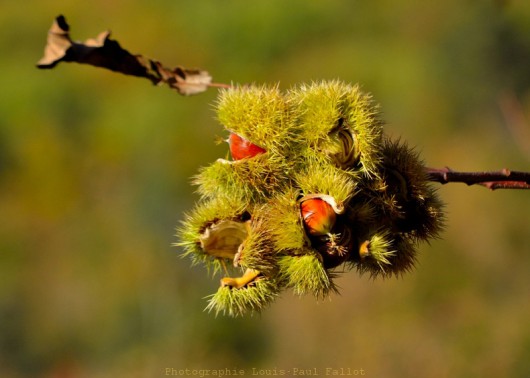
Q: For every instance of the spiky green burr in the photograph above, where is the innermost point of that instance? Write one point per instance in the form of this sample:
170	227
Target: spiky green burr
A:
313	184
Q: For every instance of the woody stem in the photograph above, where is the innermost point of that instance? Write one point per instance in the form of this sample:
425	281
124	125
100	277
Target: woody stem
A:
503	179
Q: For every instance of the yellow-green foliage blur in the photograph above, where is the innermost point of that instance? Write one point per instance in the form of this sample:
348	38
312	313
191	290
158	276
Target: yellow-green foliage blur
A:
95	174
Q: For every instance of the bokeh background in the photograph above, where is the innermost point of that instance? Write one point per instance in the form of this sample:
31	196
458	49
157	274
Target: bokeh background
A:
95	174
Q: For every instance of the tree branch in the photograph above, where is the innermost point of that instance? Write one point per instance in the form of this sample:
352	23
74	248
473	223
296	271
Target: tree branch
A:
106	53
503	179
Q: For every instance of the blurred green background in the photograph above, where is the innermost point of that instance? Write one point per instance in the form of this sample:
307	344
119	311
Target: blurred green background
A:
95	168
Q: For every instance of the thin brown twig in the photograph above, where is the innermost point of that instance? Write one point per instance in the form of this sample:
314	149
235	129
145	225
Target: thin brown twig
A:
503	179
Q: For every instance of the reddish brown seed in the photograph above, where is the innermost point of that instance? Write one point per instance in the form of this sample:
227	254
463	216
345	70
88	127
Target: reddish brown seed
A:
240	148
318	216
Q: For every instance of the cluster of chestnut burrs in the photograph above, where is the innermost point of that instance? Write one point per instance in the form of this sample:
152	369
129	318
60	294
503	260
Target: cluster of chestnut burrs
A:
312	184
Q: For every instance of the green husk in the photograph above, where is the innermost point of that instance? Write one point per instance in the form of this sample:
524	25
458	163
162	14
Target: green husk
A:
193	227
319	177
390	254
305	274
324	108
322	140
248	180
282	218
249	299
257	251
364	120
259	114
379	252
318	108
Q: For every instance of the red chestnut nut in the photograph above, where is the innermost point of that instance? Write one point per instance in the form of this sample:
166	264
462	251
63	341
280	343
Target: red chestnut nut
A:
240	148
318	216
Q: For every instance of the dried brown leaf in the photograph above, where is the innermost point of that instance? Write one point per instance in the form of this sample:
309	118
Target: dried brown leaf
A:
107	53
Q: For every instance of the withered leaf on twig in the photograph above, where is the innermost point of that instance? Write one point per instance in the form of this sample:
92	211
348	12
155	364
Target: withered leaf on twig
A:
107	53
